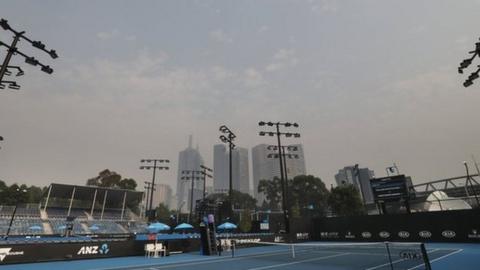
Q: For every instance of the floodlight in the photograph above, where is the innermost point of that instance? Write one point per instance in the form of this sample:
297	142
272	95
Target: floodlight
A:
270	124
32	61
465	63
271	134
38	44
53	54
460	70
261	123
295	125
261	133
288	135
296	135
467	83
473	76
287	124
4	24
142	167
47	69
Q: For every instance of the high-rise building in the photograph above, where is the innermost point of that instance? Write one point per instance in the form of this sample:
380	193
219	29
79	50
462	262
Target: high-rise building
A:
266	168
361	180
162	194
240	169
188	159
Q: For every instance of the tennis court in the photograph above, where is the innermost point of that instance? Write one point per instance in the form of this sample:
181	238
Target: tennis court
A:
442	256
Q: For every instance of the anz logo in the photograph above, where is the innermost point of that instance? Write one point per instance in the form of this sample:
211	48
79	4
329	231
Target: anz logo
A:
93	250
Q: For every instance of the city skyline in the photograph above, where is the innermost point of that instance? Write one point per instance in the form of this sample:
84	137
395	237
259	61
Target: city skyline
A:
132	79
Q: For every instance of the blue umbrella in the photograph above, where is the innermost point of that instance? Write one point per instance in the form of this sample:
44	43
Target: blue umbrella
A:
94	227
184	226
227	226
35	228
155	227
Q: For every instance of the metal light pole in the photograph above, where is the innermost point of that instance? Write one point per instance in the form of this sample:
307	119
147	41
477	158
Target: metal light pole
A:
12	50
14	211
469	180
192	178
277	133
229	139
205	169
154	167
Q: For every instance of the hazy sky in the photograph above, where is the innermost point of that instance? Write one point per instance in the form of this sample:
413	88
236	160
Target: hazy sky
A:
369	82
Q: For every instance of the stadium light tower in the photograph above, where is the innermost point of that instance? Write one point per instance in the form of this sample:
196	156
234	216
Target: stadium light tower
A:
153	167
5	69
466	62
284	185
205	171
229	138
193	176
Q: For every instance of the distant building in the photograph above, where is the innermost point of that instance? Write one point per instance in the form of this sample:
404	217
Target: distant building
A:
188	159
240	169
162	194
265	168
361	180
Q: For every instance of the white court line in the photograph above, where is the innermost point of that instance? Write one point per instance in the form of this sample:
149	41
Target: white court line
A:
196	262
298	262
437	259
393	262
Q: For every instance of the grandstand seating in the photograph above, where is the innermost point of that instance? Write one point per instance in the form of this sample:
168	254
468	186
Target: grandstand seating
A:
21	226
105	226
61	213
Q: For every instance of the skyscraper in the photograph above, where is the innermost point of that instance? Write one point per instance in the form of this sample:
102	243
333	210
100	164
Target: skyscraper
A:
348	175
265	168
240	169
188	159
163	194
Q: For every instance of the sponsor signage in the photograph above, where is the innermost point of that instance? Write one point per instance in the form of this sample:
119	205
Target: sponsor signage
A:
474	234
303	236
384	234
366	235
410	254
349	235
448	234
425	234
403	234
4	252
329	234
94	250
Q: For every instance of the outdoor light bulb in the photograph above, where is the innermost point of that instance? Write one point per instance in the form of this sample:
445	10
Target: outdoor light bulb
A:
53	54
4	24
38	44
32	61
47	69
473	76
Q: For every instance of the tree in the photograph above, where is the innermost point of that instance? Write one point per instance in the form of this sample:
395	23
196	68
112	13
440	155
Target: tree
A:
240	200
246	221
111	179
309	195
273	192
345	200
163	213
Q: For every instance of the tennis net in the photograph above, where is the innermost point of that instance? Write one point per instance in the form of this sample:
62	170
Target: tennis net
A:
367	256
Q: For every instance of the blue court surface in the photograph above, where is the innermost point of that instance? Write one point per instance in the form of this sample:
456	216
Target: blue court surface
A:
442	256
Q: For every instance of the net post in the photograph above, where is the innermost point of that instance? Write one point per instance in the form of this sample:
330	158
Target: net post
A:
389	255
425	257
